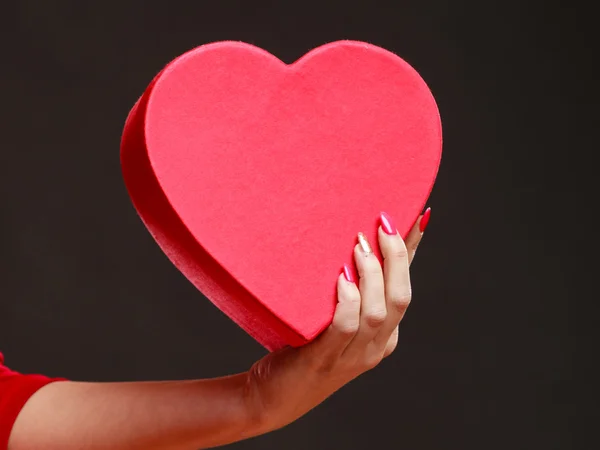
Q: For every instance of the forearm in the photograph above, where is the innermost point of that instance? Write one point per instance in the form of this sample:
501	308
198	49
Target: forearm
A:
183	415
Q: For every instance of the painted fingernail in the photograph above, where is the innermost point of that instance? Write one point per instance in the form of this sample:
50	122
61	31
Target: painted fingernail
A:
364	244
425	220
348	273
387	224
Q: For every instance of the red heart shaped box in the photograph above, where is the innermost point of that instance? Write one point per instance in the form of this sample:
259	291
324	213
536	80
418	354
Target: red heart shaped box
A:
255	176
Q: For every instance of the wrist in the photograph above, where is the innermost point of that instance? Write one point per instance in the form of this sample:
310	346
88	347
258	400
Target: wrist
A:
247	415
280	388
225	414
257	417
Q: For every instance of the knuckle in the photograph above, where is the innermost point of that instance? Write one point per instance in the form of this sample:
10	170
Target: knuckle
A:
353	298
400	302
371	361
391	346
375	318
389	349
370	269
349	297
395	249
347	327
399	251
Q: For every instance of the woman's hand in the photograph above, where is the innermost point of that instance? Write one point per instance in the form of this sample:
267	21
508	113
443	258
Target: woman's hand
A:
287	384
179	415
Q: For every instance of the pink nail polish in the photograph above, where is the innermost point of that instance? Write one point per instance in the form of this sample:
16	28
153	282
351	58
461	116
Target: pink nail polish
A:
348	273
387	224
424	220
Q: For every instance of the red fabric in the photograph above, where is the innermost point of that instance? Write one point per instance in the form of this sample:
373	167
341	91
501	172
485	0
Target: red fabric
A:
15	390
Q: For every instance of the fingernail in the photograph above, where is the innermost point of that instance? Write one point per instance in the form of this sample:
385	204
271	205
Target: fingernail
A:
348	273
387	224
425	220
364	244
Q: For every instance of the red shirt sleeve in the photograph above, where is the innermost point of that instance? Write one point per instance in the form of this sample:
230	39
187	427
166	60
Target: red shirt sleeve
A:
15	390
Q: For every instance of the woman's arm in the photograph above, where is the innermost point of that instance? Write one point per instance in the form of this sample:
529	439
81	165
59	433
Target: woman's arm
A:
148	415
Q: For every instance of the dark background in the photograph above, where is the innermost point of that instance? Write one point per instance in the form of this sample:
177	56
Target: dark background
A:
486	359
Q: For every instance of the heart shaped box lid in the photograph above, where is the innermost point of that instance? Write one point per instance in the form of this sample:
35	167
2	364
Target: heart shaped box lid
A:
254	176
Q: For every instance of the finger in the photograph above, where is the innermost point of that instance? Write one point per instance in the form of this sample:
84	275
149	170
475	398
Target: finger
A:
413	239
372	292
396	278
392	343
346	318
416	233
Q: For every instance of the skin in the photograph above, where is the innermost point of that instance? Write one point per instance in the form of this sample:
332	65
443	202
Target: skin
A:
277	390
